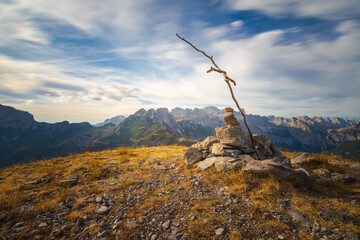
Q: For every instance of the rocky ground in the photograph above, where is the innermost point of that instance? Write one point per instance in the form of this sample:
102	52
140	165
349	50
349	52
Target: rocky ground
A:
149	193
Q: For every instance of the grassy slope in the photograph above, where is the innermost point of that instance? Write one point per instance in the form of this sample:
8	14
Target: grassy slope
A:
349	150
137	164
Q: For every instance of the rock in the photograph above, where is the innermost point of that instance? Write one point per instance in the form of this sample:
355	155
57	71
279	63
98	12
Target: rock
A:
296	216
192	155
219	231
233	136
166	224
68	182
42	225
226	163
300	158
18	225
208	162
343	178
102	210
278	167
131	224
336	216
263	143
323	172
172	237
33	182
355	166
219	150
284	203
75	176
24	209
351	236
206	144
229	118
161	167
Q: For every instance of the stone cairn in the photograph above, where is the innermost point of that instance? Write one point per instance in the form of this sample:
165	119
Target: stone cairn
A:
232	148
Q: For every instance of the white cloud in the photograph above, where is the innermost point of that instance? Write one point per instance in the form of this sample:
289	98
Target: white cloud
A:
301	77
237	24
15	24
49	83
327	9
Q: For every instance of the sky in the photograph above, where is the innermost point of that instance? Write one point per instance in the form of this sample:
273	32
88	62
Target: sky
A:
87	60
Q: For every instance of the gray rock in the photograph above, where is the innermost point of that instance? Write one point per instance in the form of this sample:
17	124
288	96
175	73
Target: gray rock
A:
32	182
226	163
278	167
343	178
18	225
300	158
192	155
131	224
68	182
166	224
351	236
219	150
230	119
219	231
336	216
234	136
355	166
208	162
161	167
75	176
263	143
43	224
102	210
206	144
23	209
296	216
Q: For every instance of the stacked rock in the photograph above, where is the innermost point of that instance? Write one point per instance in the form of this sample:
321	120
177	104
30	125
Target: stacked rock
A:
230	147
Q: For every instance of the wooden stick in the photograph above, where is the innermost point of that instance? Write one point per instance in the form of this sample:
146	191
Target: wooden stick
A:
227	80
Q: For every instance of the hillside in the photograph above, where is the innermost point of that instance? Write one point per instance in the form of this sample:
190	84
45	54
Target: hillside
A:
149	193
23	139
348	150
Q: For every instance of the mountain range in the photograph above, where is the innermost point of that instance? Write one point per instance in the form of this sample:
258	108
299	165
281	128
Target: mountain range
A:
23	139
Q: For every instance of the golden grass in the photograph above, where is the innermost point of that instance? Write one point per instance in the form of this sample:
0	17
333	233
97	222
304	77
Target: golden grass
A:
73	215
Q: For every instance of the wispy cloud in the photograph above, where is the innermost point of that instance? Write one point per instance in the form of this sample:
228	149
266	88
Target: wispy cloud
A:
116	55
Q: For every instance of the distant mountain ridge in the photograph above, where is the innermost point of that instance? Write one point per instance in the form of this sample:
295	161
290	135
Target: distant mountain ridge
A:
24	139
114	120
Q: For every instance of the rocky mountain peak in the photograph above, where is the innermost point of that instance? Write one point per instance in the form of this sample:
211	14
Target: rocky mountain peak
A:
11	117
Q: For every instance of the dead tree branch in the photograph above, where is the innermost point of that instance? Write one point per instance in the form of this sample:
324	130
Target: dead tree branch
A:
227	80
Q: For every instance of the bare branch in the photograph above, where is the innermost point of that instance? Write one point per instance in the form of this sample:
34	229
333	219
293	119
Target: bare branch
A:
227	80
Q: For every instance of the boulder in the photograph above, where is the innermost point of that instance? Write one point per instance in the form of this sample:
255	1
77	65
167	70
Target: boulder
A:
206	144
226	163
344	179
208	162
300	158
219	150
192	155
233	136
278	167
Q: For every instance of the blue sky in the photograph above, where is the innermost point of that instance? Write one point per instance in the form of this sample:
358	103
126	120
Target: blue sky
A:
89	60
